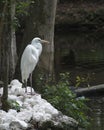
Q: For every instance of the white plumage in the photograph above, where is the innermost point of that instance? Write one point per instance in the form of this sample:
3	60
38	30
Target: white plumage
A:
30	58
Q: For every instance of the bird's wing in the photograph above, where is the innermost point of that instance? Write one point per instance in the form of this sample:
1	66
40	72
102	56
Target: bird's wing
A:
29	60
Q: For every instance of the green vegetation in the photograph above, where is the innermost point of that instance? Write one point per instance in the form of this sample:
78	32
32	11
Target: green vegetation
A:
14	105
61	97
22	7
83	80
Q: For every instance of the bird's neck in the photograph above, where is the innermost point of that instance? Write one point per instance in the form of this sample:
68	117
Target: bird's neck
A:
37	46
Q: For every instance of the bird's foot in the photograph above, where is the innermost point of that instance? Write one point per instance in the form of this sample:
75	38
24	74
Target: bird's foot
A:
29	93
32	93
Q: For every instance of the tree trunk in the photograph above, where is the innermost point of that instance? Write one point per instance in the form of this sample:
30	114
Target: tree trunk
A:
13	56
40	23
5	51
3	11
7	38
8	49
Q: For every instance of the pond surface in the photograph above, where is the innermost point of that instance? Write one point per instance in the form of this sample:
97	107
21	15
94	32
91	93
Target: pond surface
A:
97	113
82	54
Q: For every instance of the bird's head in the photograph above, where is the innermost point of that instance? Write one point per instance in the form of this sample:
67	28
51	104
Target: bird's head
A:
39	40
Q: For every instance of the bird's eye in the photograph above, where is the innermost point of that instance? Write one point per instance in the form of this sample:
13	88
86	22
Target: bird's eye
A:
39	40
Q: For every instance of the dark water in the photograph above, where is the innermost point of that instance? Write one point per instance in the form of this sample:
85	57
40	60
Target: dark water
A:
82	54
97	113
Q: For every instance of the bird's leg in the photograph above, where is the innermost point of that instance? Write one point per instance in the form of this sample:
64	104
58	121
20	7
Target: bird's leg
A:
25	85
31	82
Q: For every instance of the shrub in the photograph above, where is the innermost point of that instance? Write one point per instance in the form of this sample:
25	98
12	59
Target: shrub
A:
62	98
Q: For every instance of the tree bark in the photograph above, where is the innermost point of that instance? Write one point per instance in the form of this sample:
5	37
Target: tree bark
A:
13	59
2	21
7	38
8	48
40	23
5	51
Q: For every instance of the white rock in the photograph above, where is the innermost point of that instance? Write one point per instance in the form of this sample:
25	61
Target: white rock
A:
8	118
38	108
38	117
12	97
24	115
16	99
2	115
47	117
50	109
18	125
37	97
12	112
4	126
27	106
31	107
16	90
21	98
15	82
30	101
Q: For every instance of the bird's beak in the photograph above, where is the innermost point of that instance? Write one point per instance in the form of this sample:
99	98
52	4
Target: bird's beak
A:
44	41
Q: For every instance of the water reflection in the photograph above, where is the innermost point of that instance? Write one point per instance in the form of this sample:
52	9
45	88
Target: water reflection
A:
82	54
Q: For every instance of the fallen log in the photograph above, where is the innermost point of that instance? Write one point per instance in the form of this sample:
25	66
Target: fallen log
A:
90	91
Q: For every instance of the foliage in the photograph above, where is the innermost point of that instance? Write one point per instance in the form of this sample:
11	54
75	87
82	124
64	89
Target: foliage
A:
83	80
61	97
22	7
14	105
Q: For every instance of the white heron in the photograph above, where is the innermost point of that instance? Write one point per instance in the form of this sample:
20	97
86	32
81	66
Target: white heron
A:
29	60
